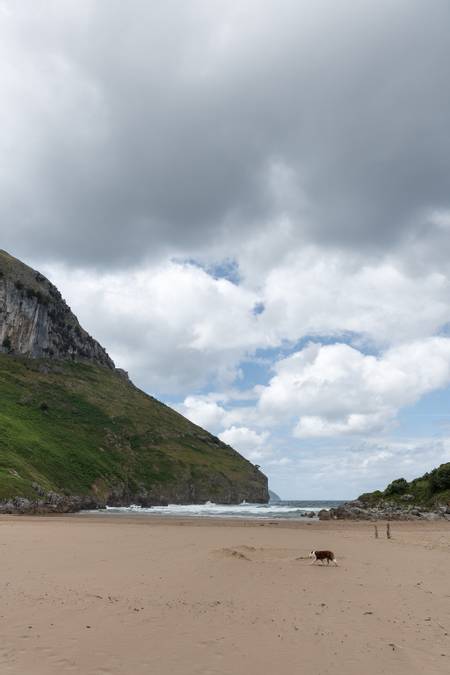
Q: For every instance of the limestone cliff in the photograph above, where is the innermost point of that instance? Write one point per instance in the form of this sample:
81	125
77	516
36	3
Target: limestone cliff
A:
35	321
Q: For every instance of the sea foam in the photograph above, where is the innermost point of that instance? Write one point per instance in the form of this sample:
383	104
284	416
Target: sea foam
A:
274	510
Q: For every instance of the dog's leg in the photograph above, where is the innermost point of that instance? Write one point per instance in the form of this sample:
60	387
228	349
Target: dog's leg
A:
335	562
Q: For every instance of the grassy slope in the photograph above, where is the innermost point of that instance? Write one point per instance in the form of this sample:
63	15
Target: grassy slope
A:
81	428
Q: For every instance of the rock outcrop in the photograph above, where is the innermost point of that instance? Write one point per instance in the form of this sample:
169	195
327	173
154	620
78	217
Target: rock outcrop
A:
386	510
35	321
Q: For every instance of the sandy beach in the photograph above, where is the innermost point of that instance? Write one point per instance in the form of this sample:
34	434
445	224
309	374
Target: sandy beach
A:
109	595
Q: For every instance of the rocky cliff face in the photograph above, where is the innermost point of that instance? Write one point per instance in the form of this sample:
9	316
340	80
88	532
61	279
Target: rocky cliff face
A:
35	321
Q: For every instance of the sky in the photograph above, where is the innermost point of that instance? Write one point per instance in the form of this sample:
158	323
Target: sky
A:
248	204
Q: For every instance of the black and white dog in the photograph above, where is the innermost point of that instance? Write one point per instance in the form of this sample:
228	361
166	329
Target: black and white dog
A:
322	556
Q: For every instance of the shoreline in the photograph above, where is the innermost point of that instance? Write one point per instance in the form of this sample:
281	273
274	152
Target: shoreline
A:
147	519
328	510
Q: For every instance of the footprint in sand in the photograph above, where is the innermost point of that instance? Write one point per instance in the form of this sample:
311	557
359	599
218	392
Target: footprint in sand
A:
253	554
230	553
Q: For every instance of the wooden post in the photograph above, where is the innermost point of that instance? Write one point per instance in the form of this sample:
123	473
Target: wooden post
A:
376	532
388	530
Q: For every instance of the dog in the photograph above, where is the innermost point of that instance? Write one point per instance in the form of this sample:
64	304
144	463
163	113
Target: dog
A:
322	556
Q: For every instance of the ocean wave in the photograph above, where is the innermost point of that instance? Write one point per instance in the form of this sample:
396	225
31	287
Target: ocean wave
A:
277	510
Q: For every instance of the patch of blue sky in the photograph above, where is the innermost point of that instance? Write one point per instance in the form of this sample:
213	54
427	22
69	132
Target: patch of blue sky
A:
444	330
225	269
258	308
169	399
428	417
347	338
269	355
253	371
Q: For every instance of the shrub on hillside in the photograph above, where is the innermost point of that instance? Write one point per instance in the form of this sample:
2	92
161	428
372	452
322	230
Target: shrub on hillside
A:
440	478
397	487
371	498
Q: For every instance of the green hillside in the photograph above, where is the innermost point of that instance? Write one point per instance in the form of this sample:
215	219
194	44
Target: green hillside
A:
431	489
83	429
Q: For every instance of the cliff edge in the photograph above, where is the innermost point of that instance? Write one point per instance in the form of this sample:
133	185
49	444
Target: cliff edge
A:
35	320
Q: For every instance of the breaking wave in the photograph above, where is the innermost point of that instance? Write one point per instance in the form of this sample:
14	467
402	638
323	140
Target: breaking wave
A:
273	510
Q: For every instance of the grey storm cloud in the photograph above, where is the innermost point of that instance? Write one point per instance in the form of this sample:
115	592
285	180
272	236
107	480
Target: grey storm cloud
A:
130	130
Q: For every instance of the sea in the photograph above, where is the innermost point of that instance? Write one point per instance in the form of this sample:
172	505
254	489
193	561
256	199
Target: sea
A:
275	510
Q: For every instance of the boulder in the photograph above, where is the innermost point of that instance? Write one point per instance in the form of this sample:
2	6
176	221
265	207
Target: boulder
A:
357	503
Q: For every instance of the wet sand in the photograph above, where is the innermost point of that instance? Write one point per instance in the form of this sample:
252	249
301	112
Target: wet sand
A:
109	595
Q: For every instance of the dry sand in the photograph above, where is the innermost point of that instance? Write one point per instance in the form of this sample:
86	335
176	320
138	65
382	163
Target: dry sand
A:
99	595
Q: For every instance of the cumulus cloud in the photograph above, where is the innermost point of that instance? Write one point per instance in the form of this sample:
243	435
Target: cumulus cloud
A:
317	292
205	411
174	326
250	443
310	426
336	389
218	412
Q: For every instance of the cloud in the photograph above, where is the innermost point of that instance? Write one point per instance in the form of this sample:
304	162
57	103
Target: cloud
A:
173	326
310	426
319	292
153	147
251	444
220	411
204	411
336	389
347	470
176	327
141	130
